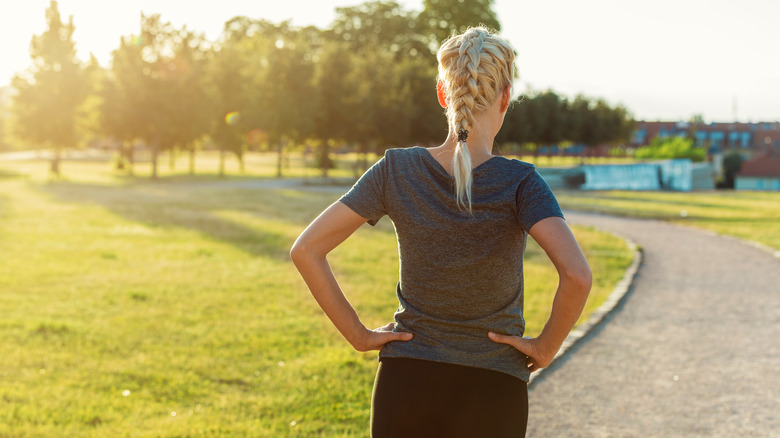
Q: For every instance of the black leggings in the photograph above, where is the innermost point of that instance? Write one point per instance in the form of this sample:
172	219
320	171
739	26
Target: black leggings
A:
420	398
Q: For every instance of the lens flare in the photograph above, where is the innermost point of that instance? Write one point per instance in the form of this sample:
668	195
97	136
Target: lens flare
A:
232	118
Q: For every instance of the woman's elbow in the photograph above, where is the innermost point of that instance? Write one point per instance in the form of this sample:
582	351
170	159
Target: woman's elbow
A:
581	278
298	251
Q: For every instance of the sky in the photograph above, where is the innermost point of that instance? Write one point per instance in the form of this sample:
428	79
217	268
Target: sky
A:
662	59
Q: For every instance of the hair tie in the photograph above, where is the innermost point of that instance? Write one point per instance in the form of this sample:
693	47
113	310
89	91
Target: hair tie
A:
462	135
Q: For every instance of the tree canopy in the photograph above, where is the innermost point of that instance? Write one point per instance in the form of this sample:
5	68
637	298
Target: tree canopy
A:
366	82
49	92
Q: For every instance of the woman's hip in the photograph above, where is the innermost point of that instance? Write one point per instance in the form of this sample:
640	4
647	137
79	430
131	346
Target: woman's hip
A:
416	397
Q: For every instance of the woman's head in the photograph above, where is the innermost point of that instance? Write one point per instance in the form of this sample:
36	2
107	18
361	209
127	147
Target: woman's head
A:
474	69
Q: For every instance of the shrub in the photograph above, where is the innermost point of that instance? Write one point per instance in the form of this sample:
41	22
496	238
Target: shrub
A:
676	147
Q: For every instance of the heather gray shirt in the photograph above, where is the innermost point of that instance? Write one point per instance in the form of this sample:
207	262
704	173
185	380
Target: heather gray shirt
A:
461	275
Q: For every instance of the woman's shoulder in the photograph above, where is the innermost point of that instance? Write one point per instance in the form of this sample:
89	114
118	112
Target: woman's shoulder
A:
514	162
401	153
404	157
512	167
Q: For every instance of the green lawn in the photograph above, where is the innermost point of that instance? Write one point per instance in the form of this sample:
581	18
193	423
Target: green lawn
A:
747	215
137	309
570	161
256	165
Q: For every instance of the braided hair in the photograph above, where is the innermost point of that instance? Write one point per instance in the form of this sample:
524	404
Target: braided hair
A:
474	67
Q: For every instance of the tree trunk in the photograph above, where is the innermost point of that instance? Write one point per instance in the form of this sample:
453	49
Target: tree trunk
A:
279	156
130	159
222	162
155	154
324	161
120	162
222	146
172	158
55	162
241	167
192	160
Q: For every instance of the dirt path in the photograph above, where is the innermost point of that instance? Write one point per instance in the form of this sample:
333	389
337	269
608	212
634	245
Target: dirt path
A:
693	351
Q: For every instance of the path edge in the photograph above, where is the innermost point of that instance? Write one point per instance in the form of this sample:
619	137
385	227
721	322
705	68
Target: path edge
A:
755	244
613	300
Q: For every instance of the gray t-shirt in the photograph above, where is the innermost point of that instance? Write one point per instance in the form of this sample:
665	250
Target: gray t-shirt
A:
461	275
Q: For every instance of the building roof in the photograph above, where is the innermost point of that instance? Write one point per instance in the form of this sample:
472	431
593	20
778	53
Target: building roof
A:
765	164
764	138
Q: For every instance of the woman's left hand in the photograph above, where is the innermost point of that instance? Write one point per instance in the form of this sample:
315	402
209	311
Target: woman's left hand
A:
537	355
377	338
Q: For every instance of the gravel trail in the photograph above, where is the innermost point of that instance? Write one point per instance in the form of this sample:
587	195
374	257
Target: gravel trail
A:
692	351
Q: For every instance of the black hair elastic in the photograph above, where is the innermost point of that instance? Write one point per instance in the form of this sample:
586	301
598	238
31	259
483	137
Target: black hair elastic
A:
462	135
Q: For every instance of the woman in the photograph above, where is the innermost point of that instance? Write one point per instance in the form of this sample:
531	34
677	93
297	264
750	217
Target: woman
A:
454	362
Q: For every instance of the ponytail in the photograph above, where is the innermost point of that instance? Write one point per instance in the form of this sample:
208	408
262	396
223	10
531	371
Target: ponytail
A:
461	168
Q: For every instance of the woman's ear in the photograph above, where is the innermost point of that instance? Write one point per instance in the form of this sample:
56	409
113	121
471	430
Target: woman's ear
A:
441	95
506	97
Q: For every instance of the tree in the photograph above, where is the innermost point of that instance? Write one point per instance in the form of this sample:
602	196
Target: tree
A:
518	127
732	164
378	25
550	117
165	74
88	112
5	125
584	125
381	103
441	18
154	91
229	79
426	120
265	72
333	117
123	91
48	94
287	88
388	91
190	115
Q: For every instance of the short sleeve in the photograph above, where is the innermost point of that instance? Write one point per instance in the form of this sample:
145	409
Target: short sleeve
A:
367	196
535	201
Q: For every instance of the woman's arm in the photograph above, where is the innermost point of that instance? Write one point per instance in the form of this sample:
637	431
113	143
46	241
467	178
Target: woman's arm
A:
557	240
309	253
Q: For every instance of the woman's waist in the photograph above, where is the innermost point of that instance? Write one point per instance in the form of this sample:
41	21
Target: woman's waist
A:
470	335
464	306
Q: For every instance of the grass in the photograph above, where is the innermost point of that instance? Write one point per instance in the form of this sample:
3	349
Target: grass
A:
571	161
142	309
742	214
256	165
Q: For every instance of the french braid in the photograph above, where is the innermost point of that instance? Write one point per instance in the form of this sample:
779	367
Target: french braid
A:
474	67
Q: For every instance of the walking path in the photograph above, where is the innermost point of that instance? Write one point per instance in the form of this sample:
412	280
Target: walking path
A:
692	351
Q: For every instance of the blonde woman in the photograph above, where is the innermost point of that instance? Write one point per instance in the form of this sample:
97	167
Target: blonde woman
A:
454	362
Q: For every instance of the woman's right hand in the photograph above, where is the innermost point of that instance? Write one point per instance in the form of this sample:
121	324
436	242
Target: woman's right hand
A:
377	338
538	356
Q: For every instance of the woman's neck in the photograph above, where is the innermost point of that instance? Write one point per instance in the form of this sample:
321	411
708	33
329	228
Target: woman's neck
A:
479	151
479	144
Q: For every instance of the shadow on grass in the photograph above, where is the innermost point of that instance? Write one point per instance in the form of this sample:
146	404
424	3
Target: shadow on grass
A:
180	206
